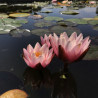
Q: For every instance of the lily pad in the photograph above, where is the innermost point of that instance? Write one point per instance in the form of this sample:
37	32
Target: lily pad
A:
96	17
51	18
92	54
48	11
3	16
66	23
40	32
95	28
44	24
68	30
69	12
78	21
20	32
93	22
36	16
19	15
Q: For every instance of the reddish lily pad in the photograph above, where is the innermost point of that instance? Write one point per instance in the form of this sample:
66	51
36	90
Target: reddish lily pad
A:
19	15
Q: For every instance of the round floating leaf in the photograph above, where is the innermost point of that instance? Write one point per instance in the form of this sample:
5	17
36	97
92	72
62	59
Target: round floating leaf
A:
87	19
92	54
40	32
69	12
96	17
75	8
44	24
93	22
3	32
68	30
95	28
36	16
48	11
19	21
77	21
66	23
50	18
14	93
3	16
20	32
19	15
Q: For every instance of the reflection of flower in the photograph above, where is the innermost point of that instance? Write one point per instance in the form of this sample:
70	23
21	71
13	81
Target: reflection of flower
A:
69	49
61	83
38	55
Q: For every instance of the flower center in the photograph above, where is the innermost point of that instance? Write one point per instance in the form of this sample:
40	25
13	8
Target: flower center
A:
38	54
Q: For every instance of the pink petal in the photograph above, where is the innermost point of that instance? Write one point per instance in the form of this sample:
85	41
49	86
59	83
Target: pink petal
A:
79	38
42	40
37	47
30	48
25	54
73	36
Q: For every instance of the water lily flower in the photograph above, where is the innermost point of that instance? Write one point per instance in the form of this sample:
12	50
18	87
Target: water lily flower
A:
46	40
37	55
71	48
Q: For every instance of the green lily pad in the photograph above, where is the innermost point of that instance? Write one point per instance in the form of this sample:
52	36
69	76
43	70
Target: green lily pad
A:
3	16
69	12
20	32
95	28
51	18
66	23
61	29
92	54
96	17
75	8
77	21
3	32
87	19
40	32
48	11
19	15
93	22
44	24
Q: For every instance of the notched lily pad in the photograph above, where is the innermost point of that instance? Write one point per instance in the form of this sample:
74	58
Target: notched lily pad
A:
92	54
69	12
51	18
19	15
77	21
40	32
20	32
61	29
43	24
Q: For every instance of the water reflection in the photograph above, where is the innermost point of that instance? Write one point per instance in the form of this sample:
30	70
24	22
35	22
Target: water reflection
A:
62	83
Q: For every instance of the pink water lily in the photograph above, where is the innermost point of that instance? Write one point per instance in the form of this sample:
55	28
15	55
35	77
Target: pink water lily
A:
37	55
45	39
69	48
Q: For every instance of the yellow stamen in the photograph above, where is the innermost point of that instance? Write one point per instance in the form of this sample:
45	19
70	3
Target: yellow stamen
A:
38	53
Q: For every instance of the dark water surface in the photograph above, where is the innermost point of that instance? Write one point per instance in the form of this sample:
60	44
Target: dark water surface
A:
80	80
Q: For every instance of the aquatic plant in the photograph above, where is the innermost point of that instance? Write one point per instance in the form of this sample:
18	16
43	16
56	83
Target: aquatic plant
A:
37	55
69	49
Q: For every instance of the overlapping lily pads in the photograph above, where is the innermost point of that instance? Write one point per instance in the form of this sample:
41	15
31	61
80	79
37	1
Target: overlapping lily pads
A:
40	32
92	54
51	18
19	15
20	32
69	12
44	24
8	24
61	29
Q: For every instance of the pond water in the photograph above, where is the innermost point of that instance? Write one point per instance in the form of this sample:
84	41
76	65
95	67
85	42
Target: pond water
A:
82	76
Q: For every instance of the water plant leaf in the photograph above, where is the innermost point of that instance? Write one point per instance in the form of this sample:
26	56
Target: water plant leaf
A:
40	32
19	15
77	21
19	32
69	12
93	22
92	54
95	28
14	93
51	18
44	24
48	11
61	29
36	16
66	23
3	16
